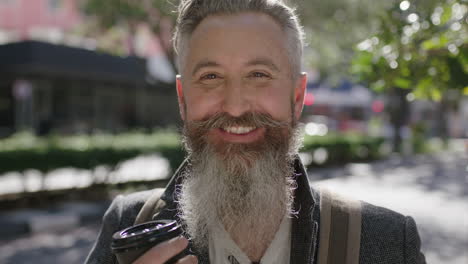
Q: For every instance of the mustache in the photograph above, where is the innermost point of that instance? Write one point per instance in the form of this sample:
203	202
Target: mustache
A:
250	119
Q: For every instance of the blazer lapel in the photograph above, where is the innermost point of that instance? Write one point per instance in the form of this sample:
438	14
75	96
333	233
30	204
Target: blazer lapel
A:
304	224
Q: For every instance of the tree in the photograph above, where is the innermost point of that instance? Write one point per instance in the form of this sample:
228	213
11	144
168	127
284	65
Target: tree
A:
157	14
333	28
420	47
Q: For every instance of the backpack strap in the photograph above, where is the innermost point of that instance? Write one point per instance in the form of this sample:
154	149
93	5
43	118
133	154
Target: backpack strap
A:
152	206
340	229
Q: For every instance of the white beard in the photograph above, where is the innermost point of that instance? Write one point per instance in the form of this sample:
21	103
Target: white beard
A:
249	201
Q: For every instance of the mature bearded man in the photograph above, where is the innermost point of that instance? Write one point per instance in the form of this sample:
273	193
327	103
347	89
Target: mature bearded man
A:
243	195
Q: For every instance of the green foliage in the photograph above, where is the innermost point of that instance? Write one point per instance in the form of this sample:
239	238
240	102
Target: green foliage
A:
24	151
346	148
114	22
111	12
423	48
333	27
418	138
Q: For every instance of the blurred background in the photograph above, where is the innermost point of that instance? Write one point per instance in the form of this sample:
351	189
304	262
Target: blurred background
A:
88	110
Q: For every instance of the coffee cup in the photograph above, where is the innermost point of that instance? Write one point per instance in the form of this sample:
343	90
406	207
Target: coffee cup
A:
132	242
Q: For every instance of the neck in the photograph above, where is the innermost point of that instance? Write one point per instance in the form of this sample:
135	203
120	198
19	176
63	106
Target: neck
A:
254	237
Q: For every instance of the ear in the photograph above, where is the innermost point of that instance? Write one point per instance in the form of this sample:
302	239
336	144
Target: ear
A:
180	96
299	94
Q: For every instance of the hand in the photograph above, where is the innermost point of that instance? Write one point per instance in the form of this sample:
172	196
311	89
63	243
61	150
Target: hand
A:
162	252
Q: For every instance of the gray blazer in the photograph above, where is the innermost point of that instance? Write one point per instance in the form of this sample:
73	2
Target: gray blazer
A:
387	237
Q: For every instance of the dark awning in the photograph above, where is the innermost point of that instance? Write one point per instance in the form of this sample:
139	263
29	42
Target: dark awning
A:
58	61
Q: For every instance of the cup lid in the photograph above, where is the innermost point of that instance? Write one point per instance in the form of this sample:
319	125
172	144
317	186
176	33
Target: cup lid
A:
146	232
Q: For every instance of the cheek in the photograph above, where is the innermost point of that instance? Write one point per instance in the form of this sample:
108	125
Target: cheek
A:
200	106
276	102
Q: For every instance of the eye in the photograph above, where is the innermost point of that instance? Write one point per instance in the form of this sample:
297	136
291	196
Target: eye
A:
209	76
259	75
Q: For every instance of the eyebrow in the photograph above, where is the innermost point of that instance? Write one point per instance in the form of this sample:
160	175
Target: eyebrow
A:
265	62
203	64
254	62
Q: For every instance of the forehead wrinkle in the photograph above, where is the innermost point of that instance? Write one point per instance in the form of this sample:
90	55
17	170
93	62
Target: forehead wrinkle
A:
264	61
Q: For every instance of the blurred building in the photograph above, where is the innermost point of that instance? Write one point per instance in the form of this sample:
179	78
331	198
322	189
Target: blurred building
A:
349	107
53	79
344	108
45	20
64	22
46	87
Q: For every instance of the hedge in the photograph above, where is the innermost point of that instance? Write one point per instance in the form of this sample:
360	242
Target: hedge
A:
346	148
25	151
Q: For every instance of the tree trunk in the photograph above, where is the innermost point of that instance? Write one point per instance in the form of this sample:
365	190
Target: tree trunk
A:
132	27
442	126
399	111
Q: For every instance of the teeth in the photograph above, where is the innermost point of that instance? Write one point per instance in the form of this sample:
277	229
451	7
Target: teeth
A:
239	129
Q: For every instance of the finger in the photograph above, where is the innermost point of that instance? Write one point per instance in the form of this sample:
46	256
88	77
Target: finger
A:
190	259
163	251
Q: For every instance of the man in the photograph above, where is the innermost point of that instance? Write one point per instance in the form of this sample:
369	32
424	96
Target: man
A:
243	195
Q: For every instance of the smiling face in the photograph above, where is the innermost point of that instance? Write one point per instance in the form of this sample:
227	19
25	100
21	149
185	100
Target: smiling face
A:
239	100
235	65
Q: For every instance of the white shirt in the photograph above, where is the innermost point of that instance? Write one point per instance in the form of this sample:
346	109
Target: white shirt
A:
223	250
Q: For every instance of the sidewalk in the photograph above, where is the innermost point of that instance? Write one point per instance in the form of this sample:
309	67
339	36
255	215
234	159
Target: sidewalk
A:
142	168
63	217
431	189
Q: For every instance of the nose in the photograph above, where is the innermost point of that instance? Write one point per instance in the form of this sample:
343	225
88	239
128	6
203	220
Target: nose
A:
236	100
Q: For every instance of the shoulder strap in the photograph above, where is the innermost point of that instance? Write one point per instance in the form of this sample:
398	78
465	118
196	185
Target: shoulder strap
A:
340	229
152	205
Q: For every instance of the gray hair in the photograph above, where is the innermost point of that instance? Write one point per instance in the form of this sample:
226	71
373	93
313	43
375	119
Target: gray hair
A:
192	12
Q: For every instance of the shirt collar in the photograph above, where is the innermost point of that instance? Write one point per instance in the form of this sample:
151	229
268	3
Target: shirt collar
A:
222	249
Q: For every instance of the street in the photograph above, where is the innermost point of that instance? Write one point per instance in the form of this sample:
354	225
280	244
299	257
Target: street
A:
432	189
